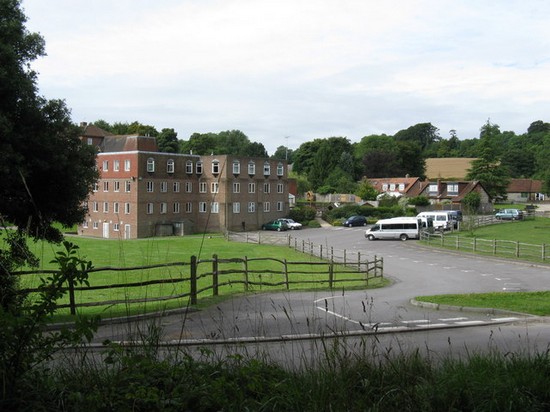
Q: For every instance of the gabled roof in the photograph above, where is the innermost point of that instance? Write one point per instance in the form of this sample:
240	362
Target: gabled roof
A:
408	182
91	130
525	186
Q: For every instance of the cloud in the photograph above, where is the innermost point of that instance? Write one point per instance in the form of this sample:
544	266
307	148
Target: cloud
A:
304	69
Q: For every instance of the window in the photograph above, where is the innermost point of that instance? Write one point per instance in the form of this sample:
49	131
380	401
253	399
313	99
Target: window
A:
115	208
188	207
127	165
385	187
90	142
117	186
214	187
188	187
280	188
176	208
252	188
176	187
150	186
150	165
452	189
105	186
280	169
126	208
392	187
267	188
164	187
95	207
202	207
189	167
401	187
215	167
163	208
116	227
236	167
96	187
198	168
95	225
236	187
128	186
267	206
251	168
214	207
116	165
170	166
251	207
150	208
105	207
85	224
202	187
105	165
267	169
236	207
280	206
432	188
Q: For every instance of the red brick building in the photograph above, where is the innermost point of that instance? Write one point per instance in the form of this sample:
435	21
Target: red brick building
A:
143	193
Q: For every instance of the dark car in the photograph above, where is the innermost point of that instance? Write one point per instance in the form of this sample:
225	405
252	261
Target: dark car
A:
356	221
277	225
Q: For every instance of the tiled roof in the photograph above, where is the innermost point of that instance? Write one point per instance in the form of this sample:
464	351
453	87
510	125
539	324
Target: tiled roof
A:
525	186
93	131
408	182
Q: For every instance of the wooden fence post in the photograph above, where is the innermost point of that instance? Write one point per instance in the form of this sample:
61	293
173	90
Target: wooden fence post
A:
245	264
543	252
215	275
517	249
193	286
359	261
330	275
494	246
321	251
286	275
344	257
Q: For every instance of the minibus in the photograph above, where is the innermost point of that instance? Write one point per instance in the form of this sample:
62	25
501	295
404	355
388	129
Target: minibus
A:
403	228
441	219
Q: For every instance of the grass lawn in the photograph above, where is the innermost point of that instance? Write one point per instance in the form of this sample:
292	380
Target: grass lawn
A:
534	303
534	231
132	253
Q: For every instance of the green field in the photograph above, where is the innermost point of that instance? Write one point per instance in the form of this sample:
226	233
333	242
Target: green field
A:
145	252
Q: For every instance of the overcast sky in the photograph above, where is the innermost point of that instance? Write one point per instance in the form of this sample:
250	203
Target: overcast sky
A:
289	71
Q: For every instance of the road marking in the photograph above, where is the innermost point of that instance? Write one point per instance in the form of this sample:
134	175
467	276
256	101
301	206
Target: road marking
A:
510	319
452	319
449	267
466	270
471	322
415	321
433	325
499	279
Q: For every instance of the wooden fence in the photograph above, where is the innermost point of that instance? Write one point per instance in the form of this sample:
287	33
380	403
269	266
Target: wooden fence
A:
495	247
199	276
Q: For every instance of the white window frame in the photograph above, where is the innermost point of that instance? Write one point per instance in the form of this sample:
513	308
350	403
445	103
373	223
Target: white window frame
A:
251	207
150	165
150	186
236	207
127	165
251	168
267	188
214	207
116	165
280	188
188	207
170	166
188	187
267	207
236	167
116	208
202	207
203	187
267	169
105	166
126	208
150	208
280	169
116	186
105	186
199	167
236	187
128	186
176	187
105	207
189	167
163	187
252	187
176	208
163	208
215	167
280	206
214	187
95	206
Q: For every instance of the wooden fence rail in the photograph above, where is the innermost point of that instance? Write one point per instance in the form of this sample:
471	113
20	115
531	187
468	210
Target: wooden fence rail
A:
199	276
495	247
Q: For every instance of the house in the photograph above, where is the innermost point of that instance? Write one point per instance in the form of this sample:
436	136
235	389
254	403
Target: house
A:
449	194
397	186
525	190
142	192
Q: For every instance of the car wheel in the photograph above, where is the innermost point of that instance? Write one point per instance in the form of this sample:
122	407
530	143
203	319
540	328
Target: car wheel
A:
278	229
403	237
370	237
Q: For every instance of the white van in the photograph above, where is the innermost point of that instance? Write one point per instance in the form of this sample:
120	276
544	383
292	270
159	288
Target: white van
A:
441	219
403	228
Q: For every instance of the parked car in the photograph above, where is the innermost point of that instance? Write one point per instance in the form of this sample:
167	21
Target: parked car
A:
509	214
292	224
277	224
356	220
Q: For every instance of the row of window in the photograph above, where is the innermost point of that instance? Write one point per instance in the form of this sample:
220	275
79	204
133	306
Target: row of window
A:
216	167
176	186
176	207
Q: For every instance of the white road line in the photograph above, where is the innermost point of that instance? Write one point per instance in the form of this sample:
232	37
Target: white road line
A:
416	321
452	319
502	278
471	322
466	270
432	325
338	315
510	319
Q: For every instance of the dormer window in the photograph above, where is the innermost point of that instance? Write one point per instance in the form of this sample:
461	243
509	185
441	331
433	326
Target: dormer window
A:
236	167
215	167
280	169
198	167
267	169
401	187
150	165
189	167
251	168
432	188
170	166
452	189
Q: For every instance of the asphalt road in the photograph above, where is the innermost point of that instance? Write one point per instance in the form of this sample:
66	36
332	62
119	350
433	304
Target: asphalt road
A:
286	325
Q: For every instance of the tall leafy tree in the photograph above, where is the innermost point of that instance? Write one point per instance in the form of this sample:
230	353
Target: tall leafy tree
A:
167	141
423	133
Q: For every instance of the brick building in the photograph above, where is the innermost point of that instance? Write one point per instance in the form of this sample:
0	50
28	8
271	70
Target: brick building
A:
143	193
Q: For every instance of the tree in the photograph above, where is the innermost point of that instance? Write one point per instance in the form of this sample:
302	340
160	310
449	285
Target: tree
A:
493	176
167	141
366	190
45	170
423	133
283	153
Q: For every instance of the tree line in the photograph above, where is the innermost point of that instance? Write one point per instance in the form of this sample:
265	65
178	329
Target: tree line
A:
336	165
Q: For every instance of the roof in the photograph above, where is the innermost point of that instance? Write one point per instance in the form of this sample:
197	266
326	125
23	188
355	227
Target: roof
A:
448	167
91	130
408	182
525	186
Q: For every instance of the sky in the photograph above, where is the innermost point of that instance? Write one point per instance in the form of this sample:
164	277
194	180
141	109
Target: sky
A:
290	71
